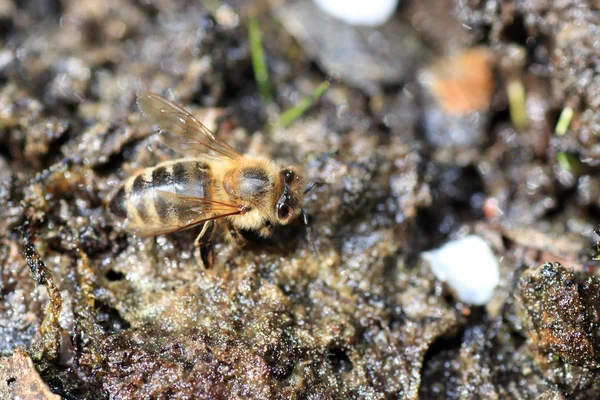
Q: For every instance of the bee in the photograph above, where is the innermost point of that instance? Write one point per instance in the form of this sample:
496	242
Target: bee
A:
217	185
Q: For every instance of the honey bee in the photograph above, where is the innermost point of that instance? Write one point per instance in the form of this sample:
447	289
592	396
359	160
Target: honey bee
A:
217	185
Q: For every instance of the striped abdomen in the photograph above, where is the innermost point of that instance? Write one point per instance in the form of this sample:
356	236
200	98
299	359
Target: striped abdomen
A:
142	201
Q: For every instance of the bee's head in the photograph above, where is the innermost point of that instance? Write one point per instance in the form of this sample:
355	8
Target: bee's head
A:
288	206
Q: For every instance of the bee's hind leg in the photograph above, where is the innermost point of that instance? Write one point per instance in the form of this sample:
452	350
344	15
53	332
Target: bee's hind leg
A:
204	249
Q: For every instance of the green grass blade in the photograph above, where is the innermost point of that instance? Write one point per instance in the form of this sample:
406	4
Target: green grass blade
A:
261	74
564	121
296	112
516	104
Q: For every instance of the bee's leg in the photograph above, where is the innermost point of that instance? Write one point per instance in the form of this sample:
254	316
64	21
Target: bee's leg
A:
267	230
236	236
205	251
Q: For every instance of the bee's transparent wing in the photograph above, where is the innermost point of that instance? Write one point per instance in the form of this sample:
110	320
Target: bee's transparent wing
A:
183	133
187	211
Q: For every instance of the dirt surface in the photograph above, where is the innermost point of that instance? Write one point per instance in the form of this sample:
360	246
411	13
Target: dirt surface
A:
20	379
460	130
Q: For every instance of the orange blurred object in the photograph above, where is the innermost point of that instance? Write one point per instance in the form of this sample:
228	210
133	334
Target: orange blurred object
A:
464	82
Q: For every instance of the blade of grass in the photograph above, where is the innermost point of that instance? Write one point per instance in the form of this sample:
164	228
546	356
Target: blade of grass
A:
569	162
516	103
261	74
296	112
563	161
564	121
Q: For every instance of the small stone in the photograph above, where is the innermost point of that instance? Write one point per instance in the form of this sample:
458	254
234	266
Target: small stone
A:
468	266
359	12
366	57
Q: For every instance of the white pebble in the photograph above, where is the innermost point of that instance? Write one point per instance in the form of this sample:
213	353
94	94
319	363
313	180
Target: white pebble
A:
359	12
468	266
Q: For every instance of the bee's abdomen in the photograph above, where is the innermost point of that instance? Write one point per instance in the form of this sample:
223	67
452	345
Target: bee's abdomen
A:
142	200
118	205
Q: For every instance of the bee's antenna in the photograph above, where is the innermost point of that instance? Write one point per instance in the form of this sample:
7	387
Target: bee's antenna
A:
311	240
313	184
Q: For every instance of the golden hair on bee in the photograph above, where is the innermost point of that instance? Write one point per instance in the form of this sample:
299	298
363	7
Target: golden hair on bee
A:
215	186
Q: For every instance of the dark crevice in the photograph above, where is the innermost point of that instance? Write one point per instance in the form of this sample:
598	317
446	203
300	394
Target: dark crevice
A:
339	360
110	319
115	160
114	276
515	32
54	154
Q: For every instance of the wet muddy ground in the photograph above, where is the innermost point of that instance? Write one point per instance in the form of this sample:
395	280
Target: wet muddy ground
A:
452	119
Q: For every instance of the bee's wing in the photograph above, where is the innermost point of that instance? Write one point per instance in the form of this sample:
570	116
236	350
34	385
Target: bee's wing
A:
197	210
183	133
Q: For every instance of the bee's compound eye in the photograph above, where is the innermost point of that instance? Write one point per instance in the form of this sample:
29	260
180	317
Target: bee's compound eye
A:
288	176
283	211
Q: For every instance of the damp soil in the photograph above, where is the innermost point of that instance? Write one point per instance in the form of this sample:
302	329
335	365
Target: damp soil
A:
446	121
